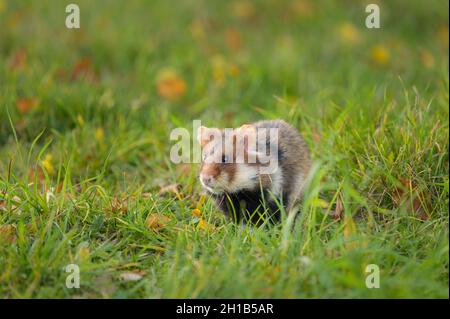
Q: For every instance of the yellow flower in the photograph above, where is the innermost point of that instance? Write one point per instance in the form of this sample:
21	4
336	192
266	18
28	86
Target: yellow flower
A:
379	55
348	33
47	164
170	85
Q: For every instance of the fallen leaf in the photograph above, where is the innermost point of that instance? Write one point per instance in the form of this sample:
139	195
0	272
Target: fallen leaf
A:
8	233
233	39
83	253
338	210
349	232
204	225
172	188
414	200
24	105
83	69
119	204
170	85
36	174
196	212
156	221
131	276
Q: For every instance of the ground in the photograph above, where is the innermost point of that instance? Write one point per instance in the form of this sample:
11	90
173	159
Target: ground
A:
86	176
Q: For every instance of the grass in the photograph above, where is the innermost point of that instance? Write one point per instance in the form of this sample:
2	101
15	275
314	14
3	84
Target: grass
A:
85	118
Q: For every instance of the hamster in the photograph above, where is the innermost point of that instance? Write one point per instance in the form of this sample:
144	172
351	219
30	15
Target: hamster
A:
253	170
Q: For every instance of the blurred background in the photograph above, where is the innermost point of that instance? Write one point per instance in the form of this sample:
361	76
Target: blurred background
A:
140	66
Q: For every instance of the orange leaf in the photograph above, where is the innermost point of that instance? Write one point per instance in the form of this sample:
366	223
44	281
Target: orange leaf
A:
170	85
25	105
83	69
233	39
413	199
196	212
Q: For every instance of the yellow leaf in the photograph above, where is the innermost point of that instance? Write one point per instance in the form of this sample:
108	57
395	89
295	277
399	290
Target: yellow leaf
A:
156	221
204	225
83	253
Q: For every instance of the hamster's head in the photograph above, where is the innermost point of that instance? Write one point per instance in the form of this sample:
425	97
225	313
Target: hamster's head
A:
227	165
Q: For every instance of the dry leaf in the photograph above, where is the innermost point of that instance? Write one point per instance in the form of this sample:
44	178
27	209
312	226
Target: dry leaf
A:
349	232
233	39
83	253
37	174
131	276
339	210
83	69
170	85
8	233
172	188
119	204
24	105
196	212
415	201
204	225
156	221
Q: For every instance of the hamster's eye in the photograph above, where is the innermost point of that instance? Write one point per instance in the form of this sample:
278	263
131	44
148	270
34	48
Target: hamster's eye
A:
224	159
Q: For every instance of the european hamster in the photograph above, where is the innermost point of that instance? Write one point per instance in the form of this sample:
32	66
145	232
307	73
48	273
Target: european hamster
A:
248	170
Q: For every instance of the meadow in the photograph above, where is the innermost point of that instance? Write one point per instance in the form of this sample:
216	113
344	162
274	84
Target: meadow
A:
86	176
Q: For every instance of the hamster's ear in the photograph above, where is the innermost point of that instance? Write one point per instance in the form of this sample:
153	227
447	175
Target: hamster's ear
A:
247	135
205	134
